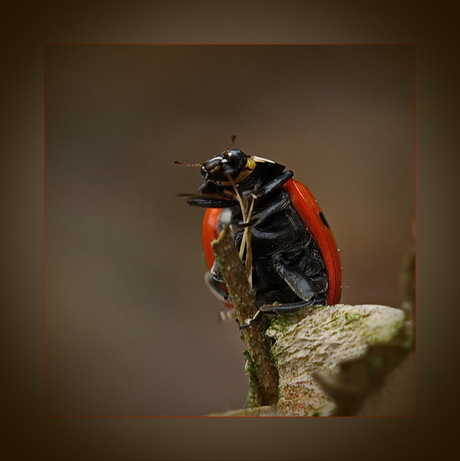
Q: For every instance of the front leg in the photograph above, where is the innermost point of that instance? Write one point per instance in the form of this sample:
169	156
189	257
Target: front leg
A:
211	202
275	206
272	186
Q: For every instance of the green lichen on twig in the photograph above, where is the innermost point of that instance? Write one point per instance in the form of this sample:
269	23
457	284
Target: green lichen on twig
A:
314	355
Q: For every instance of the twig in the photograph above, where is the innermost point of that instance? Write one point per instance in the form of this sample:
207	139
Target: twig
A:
263	376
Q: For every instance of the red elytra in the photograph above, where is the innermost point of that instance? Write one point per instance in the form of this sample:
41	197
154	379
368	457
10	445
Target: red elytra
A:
309	212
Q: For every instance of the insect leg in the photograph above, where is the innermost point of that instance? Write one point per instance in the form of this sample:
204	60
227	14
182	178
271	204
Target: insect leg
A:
274	207
273	185
216	287
298	282
210	202
287	308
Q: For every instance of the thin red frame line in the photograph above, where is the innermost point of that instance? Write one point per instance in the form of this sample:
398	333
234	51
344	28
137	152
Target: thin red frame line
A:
227	44
44	217
43	382
415	236
223	416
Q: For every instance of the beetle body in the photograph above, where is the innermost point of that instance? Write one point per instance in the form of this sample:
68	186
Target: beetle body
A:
294	257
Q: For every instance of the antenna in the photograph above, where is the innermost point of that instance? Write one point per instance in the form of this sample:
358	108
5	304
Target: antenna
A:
177	162
233	142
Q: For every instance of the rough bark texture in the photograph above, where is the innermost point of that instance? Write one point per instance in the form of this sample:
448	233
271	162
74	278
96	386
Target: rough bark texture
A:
326	362
263	376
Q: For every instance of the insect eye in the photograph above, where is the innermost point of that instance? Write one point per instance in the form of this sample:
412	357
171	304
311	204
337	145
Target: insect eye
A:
235	157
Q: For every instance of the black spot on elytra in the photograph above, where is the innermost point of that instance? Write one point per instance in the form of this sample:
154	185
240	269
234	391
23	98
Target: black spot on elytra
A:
323	219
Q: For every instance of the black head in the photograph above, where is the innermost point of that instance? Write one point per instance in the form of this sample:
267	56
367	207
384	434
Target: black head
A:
232	165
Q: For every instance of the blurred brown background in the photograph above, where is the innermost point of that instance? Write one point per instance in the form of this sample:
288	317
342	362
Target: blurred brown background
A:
119	299
130	326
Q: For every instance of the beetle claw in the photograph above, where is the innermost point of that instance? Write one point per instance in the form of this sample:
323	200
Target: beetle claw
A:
249	322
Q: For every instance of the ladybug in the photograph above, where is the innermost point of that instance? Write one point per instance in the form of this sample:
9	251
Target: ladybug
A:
279	228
